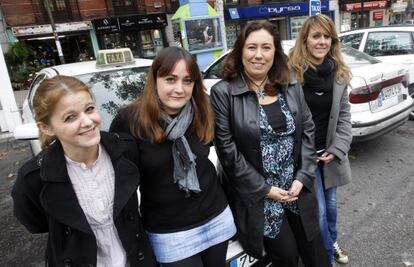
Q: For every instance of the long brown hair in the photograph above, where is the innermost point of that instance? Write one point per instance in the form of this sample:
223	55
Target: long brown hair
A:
300	58
146	121
48	94
278	73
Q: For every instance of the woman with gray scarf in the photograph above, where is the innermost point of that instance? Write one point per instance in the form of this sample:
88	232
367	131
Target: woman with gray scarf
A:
184	209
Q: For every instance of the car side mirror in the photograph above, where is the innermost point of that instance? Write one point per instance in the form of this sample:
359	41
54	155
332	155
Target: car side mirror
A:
28	131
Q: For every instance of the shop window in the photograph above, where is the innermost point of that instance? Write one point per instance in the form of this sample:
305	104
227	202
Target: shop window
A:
151	43
232	2
124	7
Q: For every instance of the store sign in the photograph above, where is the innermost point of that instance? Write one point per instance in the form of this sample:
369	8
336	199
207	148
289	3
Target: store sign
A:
399	7
47	28
286	9
352	7
378	15
106	25
130	23
74	26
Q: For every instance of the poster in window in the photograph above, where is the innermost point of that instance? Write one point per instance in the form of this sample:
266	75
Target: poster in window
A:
203	34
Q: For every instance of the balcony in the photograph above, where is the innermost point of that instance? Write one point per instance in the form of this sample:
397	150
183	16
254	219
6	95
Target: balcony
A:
62	10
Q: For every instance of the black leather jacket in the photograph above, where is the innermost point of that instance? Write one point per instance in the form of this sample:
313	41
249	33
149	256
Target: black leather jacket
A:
237	141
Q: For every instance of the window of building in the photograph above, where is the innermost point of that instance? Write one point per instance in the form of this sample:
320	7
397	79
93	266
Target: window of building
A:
124	7
61	10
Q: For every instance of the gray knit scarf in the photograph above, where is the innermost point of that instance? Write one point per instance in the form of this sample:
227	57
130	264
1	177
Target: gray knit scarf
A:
185	173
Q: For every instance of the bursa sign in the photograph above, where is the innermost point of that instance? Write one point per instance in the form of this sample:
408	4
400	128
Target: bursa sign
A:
287	9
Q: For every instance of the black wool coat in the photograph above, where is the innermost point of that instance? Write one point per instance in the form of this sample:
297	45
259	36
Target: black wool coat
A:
237	141
45	201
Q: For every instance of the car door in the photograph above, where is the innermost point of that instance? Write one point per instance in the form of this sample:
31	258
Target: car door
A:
354	40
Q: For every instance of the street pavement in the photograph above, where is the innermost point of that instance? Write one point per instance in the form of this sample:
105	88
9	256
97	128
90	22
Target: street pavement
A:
376	211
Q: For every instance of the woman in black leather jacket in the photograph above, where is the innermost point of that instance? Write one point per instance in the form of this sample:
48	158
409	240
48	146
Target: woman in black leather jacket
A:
264	140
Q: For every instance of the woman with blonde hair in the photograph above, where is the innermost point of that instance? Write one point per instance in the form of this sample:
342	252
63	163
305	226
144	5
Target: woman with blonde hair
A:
317	62
81	188
184	209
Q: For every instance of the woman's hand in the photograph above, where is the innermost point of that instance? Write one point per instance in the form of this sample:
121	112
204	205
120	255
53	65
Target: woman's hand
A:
280	195
295	189
326	157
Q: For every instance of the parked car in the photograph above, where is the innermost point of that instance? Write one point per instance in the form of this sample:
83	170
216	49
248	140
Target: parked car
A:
392	44
113	85
378	93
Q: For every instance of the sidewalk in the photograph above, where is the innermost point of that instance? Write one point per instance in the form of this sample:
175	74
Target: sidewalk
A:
20	96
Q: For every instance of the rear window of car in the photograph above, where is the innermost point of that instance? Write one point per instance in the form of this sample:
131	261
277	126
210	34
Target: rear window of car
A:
114	89
389	43
352	40
354	58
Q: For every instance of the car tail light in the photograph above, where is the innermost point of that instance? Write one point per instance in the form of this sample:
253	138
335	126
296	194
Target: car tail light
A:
369	93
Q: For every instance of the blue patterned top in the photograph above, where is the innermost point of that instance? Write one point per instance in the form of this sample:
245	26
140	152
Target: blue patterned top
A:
278	166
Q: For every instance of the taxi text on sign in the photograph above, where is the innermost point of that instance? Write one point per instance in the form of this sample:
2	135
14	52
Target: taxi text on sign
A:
314	7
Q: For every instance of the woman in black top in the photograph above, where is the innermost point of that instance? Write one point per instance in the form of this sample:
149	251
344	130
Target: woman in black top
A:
184	208
317	62
264	140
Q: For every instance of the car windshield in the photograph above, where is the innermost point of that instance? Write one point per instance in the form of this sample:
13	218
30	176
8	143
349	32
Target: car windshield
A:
114	89
355	58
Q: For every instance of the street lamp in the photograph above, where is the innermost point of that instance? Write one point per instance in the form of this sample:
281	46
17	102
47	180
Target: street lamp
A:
55	34
361	22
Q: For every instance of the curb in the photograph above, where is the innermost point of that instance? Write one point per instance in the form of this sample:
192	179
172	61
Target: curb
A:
8	142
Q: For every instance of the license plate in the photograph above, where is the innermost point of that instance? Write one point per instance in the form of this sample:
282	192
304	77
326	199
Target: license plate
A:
388	97
243	261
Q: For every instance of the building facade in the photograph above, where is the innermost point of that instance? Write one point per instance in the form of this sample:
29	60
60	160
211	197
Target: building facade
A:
85	26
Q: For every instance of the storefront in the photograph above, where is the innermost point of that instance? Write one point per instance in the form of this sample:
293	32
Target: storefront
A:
75	39
400	13
288	17
355	15
143	34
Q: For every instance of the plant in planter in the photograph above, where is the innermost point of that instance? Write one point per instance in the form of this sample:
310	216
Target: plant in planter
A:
16	61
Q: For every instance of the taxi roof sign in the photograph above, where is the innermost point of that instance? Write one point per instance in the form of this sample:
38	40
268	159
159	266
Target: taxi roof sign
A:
114	57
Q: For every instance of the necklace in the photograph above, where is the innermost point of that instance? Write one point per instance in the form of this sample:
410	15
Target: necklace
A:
260	92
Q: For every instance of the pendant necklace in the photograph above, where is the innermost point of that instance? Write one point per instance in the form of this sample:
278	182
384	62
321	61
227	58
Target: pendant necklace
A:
261	94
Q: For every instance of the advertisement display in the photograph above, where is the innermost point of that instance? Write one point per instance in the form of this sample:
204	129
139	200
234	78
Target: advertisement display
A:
203	34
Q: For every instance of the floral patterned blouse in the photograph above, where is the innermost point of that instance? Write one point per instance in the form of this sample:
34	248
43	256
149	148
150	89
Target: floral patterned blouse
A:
278	166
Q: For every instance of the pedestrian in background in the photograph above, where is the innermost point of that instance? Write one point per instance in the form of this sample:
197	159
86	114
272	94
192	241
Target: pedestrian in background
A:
184	208
264	141
317	62
82	188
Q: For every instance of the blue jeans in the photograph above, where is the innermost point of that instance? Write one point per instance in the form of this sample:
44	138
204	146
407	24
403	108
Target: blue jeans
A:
327	212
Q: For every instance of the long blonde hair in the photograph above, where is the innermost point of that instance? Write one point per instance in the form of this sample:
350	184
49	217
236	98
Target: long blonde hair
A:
48	94
300	58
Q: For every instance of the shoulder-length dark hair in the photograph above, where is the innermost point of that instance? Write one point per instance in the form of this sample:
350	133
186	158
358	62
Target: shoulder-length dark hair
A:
279	72
146	121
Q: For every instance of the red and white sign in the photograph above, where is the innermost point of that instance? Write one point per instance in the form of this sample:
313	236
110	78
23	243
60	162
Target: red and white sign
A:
352	7
47	28
378	15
